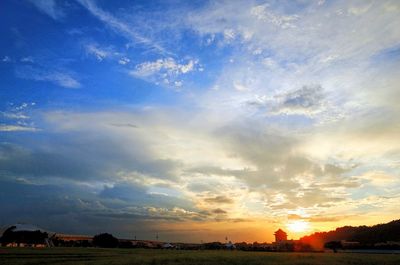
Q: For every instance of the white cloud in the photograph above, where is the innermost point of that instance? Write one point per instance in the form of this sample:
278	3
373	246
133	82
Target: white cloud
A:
308	100
164	70
120	26
380	178
307	45
6	59
10	115
109	52
313	31
359	10
261	12
229	34
124	60
269	62
39	74
49	7
16	128
28	59
62	79
240	87
99	53
178	83
20	117
185	68
168	65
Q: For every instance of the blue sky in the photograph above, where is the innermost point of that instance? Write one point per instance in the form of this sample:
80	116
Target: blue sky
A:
199	119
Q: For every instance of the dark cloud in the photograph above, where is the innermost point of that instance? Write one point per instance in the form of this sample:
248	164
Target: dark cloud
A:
219	211
174	214
306	100
20	161
81	157
137	194
76	209
219	200
52	207
124	191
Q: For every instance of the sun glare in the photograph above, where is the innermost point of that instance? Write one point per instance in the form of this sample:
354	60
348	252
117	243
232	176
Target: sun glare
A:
298	226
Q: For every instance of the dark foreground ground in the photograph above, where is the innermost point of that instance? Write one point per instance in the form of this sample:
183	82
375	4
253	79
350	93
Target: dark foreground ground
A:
78	256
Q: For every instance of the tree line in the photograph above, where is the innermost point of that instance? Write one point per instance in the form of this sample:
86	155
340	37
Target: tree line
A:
376	236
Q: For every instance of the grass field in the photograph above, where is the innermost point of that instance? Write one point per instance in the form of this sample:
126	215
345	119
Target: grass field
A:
78	256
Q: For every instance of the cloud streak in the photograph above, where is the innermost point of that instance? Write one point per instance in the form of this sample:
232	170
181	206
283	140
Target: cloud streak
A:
40	74
50	8
120	26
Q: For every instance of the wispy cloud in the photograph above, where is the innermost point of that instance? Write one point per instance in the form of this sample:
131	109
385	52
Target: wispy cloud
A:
164	71
39	74
312	31
219	200
6	59
17	117
262	12
124	60
28	59
120	26
99	53
18	112
49	7
168	65
16	128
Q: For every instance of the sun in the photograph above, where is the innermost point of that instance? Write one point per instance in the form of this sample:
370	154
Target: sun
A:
298	226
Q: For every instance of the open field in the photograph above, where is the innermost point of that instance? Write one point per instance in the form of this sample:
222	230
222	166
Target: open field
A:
78	256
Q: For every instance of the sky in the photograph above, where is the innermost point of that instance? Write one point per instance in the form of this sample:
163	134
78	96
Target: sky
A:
199	120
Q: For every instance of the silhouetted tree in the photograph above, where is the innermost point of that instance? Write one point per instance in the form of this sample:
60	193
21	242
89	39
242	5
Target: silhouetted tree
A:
213	245
105	240
367	236
125	244
27	237
334	245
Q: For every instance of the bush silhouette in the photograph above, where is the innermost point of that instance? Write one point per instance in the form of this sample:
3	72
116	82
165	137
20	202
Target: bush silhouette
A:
334	245
27	237
105	240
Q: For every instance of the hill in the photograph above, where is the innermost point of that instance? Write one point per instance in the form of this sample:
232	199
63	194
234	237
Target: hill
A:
366	235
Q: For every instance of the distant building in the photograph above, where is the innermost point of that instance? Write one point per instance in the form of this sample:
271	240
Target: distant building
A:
67	237
349	244
280	236
67	240
230	245
168	246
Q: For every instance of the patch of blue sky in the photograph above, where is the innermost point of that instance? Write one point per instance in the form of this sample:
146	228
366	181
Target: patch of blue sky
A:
62	52
387	56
